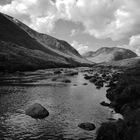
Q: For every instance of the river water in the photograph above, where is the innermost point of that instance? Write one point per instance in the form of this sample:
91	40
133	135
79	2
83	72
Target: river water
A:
67	104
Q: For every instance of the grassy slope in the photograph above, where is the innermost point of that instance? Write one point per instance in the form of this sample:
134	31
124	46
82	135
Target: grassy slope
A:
58	46
131	62
46	40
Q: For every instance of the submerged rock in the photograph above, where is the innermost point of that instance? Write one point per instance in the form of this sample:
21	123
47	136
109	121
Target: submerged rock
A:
88	77
74	84
87	126
66	81
111	119
57	72
93	80
98	87
72	73
99	83
54	79
37	111
103	75
105	104
85	84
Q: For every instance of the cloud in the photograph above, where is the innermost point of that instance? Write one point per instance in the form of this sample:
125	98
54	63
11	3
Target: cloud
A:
81	48
134	40
134	43
40	15
115	19
74	32
98	17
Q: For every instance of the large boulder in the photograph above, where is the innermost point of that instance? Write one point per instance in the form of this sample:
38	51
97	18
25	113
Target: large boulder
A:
37	111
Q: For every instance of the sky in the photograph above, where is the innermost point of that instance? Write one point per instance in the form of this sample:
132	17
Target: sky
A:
86	24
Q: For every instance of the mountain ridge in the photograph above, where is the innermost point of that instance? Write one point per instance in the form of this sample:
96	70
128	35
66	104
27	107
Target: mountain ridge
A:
107	54
17	40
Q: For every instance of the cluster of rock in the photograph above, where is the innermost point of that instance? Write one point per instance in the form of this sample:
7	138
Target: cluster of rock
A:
102	76
70	72
96	79
63	74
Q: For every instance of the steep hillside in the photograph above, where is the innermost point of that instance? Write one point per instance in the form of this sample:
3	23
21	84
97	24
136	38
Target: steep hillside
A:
25	49
47	40
109	54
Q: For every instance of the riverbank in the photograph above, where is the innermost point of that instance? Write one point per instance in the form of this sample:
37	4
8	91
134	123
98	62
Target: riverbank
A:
124	94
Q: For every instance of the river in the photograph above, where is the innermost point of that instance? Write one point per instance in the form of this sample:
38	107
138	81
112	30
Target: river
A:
68	105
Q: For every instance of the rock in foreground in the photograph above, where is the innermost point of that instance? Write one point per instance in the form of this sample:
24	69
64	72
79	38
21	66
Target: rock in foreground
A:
87	126
37	111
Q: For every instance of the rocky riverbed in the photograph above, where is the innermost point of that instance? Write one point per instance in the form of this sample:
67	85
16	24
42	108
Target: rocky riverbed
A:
73	105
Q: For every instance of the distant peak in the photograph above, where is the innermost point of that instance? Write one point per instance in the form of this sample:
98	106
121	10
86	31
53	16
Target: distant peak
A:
109	54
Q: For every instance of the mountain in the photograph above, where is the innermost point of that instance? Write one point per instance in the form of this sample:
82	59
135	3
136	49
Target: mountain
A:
25	49
107	54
